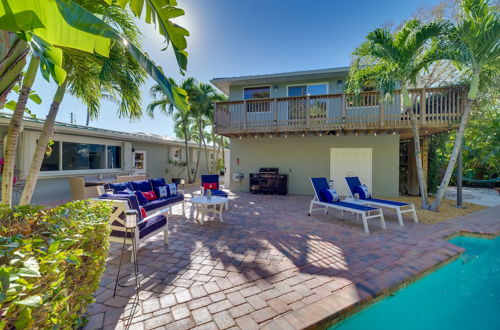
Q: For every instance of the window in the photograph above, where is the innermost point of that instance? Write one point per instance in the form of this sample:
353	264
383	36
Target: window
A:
114	157
51	163
80	156
74	156
256	93
308	89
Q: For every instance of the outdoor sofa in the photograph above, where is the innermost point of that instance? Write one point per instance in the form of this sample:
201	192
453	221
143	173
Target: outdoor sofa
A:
162	197
320	186
354	185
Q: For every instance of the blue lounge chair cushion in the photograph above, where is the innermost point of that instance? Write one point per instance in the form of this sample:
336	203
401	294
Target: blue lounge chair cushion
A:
217	193
119	186
151	224
330	195
388	202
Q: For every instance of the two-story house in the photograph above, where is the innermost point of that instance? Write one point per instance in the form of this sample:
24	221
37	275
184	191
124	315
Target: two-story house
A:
303	123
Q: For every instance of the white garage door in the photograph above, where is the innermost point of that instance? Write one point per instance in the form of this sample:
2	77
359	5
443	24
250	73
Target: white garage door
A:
350	162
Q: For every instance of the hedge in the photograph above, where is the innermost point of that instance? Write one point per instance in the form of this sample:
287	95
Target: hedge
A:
51	262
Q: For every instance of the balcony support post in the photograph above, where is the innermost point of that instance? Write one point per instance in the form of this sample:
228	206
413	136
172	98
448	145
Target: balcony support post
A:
343	108
275	106
244	115
307	111
423	101
382	110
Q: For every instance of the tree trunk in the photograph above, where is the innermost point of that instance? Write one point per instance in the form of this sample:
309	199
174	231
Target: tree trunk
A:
87	122
454	154
418	159
15	128
186	148
206	155
41	146
13	52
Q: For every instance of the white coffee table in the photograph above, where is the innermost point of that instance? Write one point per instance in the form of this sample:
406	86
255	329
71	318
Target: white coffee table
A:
203	206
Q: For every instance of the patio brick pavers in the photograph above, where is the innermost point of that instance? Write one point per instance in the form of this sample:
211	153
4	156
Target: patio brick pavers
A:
270	265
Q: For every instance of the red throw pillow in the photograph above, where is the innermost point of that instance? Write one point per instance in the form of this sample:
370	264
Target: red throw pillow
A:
143	212
210	185
150	195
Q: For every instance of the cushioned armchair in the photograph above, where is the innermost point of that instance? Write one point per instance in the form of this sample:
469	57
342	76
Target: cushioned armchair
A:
146	226
211	181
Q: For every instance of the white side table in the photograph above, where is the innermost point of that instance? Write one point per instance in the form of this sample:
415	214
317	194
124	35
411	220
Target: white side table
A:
203	206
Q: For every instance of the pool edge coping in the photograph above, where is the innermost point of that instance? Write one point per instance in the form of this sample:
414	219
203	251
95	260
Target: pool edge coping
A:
316	316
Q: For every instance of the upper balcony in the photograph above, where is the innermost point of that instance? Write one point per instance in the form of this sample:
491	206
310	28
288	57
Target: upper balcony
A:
341	114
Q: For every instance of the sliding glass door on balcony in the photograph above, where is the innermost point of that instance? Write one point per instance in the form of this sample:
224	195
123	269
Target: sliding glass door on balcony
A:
307	99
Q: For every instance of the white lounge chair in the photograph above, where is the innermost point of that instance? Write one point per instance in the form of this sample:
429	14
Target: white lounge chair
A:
399	207
366	212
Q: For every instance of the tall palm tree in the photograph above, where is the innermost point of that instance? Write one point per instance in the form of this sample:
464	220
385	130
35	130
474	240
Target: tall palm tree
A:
474	46
164	104
395	60
88	76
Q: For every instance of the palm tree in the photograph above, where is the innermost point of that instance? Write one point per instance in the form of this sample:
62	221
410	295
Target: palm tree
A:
474	46
391	60
182	116
88	75
84	31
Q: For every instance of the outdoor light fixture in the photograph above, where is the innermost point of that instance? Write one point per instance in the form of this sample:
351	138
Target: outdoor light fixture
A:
356	133
319	134
255	136
337	134
375	134
270	136
286	136
240	137
303	135
130	218
394	133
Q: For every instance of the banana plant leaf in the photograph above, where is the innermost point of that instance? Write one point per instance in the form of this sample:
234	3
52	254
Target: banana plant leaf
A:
42	18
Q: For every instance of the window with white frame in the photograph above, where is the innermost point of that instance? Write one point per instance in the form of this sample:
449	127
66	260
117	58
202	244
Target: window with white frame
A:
176	154
77	156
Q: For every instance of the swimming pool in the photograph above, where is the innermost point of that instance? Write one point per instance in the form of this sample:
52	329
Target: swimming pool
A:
464	294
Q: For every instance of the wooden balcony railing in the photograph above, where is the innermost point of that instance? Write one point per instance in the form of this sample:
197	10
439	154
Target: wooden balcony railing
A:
434	107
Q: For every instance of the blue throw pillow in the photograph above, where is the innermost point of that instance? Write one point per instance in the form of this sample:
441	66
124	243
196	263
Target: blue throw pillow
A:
140	197
172	189
330	195
126	191
118	186
142	185
362	191
156	184
162	192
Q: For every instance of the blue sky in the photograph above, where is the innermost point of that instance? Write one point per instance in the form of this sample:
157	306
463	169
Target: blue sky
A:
243	37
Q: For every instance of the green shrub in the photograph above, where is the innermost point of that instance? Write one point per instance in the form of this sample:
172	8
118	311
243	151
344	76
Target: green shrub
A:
49	271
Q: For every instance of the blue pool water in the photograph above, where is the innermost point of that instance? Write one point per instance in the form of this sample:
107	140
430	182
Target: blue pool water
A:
464	294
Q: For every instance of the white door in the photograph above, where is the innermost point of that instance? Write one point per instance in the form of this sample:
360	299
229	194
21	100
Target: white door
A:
139	162
350	162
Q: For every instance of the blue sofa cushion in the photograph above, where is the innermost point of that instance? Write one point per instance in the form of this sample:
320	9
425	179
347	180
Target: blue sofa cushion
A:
133	203
142	185
156	183
217	193
330	195
153	223
140	197
161	202
118	186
